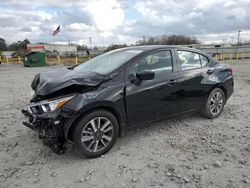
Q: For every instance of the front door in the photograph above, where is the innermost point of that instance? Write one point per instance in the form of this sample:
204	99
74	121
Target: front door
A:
148	100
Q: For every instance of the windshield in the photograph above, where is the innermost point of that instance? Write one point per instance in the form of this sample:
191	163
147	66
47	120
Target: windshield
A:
108	62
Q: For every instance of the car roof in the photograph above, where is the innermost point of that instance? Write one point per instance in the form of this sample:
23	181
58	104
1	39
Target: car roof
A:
155	47
158	47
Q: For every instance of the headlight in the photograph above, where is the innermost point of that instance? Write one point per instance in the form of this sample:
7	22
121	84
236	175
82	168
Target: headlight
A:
48	105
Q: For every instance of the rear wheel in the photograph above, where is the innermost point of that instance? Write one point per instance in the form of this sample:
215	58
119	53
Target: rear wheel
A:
214	104
95	134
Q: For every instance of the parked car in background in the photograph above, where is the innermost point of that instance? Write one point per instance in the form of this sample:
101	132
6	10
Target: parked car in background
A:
93	103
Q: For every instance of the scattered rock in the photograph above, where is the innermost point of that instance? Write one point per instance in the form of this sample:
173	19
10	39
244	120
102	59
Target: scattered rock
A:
217	164
36	180
81	180
217	150
178	175
123	168
247	181
134	180
205	167
54	174
87	178
189	167
90	172
203	138
186	179
121	148
171	168
168	174
9	172
243	162
51	167
36	173
153	165
125	154
29	163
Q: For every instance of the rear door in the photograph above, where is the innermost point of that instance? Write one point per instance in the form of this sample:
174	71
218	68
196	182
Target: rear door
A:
149	100
193	71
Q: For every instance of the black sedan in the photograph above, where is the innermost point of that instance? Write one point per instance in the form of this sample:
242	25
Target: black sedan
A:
93	103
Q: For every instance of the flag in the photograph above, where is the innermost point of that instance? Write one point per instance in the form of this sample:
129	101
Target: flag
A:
56	31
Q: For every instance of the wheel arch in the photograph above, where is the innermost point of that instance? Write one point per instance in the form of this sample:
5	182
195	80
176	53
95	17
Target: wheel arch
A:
224	90
218	86
70	126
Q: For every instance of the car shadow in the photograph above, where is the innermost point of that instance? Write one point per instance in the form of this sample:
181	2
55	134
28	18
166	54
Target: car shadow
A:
133	134
128	140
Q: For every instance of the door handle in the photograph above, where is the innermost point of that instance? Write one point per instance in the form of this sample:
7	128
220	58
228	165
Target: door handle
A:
172	82
210	71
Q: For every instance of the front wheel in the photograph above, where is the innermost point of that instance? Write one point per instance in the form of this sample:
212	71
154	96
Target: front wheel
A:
95	133
214	104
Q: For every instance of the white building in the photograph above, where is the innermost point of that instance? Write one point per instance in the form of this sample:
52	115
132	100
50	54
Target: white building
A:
59	48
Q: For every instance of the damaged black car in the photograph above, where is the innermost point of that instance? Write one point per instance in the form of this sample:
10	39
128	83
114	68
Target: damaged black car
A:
92	104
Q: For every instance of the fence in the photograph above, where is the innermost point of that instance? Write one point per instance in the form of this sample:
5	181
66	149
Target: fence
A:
229	56
225	53
49	60
219	53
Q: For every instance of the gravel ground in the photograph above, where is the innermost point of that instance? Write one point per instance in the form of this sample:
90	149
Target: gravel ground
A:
187	151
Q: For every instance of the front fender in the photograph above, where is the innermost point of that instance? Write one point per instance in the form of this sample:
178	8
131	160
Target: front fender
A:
109	97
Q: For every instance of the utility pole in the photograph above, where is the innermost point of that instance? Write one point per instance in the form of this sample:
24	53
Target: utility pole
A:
238	40
144	39
236	46
232	41
90	42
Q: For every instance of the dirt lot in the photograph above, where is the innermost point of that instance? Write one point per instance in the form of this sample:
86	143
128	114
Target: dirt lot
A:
188	151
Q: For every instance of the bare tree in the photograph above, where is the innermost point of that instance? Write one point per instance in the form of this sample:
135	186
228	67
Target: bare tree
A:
169	40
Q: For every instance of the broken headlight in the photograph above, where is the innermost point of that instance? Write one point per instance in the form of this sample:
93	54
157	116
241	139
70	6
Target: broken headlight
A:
48	105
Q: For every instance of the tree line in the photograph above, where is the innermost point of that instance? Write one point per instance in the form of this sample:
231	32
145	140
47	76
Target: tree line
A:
168	40
159	40
15	46
20	46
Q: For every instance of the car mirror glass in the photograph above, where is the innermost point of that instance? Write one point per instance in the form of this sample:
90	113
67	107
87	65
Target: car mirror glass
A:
145	75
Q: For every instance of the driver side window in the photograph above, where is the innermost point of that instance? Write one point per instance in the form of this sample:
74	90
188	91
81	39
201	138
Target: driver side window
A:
159	62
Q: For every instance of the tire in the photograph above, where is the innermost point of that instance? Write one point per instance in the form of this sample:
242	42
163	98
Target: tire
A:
214	104
95	133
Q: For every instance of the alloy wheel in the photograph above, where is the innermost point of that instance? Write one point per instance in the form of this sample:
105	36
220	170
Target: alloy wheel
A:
216	103
97	134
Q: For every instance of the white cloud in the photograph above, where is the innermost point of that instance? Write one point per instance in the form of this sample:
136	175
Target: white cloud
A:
107	14
121	21
78	27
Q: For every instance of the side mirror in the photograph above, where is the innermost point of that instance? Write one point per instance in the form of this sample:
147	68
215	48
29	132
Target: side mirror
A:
145	75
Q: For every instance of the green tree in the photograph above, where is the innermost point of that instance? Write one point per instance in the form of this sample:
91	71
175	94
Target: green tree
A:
3	46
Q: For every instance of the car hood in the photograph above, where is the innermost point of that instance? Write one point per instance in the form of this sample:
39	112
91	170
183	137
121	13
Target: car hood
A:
54	80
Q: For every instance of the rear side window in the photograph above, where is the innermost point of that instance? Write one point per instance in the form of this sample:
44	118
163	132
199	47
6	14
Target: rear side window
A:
159	62
191	60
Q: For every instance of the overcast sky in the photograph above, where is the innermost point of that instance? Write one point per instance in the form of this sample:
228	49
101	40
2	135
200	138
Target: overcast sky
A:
123	21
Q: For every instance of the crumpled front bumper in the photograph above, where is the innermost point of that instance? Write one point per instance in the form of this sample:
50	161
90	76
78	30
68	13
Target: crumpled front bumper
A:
48	125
